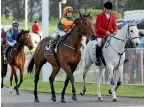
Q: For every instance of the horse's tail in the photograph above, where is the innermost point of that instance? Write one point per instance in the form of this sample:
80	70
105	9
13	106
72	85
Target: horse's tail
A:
30	65
4	72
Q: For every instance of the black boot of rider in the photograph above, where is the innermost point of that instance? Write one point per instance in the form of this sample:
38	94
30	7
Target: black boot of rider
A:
98	54
5	52
55	41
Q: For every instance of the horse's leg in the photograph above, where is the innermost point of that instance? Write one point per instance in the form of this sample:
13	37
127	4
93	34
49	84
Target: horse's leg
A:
118	79
64	88
86	68
73	68
88	63
2	82
51	80
16	80
37	72
111	79
11	79
21	77
99	78
69	72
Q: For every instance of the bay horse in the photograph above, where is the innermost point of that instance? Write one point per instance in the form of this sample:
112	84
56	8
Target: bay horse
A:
17	57
68	55
3	66
114	55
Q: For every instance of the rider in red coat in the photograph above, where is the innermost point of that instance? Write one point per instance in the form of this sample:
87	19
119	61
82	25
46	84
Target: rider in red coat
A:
105	25
36	28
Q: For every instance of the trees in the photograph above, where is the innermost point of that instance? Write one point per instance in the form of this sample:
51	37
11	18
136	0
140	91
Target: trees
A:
16	7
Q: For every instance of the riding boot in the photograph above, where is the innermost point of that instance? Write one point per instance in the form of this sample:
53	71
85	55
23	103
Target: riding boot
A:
6	49
55	41
98	54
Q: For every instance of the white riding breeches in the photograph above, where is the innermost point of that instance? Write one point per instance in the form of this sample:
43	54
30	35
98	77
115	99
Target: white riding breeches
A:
99	42
60	32
11	43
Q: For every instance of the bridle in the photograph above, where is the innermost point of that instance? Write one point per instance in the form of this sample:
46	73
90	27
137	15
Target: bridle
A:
128	38
82	31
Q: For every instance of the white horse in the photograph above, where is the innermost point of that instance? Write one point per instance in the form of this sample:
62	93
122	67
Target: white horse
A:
114	55
35	39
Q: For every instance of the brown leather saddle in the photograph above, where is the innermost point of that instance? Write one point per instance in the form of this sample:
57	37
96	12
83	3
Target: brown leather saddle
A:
104	39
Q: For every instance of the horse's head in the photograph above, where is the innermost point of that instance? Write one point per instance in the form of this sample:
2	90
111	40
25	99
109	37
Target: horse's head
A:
84	24
25	38
133	34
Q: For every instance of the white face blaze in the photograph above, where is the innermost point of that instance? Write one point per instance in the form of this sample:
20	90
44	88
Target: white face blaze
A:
134	35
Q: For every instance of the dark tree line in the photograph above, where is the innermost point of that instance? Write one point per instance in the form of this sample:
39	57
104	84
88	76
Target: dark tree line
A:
16	8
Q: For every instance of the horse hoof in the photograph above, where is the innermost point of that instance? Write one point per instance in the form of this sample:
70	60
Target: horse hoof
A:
10	91
74	98
115	100
2	86
82	93
15	88
63	101
17	93
100	98
53	99
110	91
36	100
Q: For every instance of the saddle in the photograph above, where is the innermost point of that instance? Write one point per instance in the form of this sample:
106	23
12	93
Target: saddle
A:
104	39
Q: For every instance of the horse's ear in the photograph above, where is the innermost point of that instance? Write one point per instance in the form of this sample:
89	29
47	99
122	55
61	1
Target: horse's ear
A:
80	14
88	14
28	30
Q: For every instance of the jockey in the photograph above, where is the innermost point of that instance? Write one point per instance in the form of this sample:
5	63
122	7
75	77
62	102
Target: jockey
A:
12	36
105	25
65	24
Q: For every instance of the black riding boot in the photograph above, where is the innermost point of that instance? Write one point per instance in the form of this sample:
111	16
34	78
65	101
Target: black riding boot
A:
55	41
5	52
98	54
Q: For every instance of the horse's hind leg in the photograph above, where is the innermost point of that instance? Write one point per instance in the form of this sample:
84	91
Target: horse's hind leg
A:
99	78
37	72
2	82
11	79
51	80
86	68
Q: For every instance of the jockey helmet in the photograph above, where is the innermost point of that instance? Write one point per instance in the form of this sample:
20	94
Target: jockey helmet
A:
15	23
67	9
108	5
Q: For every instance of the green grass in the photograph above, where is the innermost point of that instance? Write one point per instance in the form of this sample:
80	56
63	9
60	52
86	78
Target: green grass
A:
124	90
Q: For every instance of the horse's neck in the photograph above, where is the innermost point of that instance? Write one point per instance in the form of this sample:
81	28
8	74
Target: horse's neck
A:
74	38
19	47
119	45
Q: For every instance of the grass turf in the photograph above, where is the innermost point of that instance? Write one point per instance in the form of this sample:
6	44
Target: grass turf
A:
124	90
